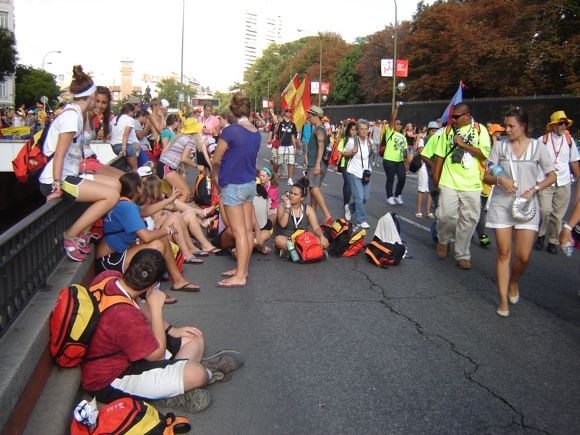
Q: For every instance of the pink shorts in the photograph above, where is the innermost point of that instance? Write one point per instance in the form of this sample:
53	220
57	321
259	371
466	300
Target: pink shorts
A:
90	164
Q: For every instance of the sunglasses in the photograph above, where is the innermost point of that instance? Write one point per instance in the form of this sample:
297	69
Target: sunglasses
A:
564	123
458	116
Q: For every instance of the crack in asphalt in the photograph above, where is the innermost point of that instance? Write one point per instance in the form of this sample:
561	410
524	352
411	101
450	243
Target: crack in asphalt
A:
468	374
289	301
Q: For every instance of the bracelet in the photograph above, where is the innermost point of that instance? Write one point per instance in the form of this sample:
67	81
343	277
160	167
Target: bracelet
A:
56	183
168	329
567	226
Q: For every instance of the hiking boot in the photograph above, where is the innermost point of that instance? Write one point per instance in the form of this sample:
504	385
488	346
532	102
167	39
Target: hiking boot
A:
539	245
552	248
71	249
442	249
464	264
192	401
484	241
225	361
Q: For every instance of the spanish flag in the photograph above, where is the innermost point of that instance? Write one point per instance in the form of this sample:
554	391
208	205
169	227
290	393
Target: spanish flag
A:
287	97
301	103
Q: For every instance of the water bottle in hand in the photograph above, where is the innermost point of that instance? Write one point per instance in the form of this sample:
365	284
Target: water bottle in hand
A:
497	171
292	251
568	249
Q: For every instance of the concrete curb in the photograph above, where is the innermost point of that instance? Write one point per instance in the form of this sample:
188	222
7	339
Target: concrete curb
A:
27	340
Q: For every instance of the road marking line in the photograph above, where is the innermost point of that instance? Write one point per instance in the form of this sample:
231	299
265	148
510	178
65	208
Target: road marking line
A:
412	222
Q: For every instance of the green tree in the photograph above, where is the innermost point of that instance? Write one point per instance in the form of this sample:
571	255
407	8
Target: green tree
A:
32	83
8	53
170	88
224	98
346	88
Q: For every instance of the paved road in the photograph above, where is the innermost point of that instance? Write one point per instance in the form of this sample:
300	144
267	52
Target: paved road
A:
345	347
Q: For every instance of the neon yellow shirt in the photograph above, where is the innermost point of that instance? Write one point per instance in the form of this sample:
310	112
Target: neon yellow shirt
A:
396	143
460	176
340	148
429	148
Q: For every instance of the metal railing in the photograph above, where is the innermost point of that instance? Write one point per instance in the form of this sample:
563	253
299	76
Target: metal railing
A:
30	251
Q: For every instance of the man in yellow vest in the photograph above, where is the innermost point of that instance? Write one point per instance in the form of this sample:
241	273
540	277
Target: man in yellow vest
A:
394	154
460	149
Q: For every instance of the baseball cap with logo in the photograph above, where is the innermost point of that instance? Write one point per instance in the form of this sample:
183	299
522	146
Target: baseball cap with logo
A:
144	171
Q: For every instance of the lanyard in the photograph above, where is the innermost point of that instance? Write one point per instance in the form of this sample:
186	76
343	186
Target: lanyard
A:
361	152
297	221
556	154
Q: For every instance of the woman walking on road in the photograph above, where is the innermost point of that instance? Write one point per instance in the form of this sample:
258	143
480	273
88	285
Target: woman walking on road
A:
521	159
234	163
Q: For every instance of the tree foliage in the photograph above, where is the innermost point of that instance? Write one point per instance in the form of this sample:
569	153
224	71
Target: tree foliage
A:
32	83
498	48
169	89
8	54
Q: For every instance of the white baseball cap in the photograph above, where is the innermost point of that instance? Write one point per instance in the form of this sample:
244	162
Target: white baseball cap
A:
164	103
144	171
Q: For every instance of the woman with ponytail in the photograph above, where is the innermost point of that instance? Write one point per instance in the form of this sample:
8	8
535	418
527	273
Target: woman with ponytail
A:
61	174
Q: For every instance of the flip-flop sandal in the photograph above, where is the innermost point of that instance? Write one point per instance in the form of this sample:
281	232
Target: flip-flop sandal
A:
201	254
192	260
185	288
170	300
221	285
263	249
212	251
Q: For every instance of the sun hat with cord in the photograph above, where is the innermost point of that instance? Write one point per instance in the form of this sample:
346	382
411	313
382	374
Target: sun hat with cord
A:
316	111
191	126
558	117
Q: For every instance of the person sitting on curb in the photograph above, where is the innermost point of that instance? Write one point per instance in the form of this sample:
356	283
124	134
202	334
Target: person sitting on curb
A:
147	357
124	224
291	214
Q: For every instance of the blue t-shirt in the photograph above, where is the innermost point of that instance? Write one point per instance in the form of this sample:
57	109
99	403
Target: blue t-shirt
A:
120	225
239	161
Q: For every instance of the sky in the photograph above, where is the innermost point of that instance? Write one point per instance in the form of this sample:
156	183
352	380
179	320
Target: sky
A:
99	34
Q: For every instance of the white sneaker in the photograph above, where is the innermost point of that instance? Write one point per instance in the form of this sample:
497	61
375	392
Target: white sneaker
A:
290	182
347	214
391	201
399	200
364	225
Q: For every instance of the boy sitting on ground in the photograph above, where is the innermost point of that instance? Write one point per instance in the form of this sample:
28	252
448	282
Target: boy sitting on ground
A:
135	352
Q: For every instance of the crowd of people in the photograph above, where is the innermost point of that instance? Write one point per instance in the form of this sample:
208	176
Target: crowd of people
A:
470	177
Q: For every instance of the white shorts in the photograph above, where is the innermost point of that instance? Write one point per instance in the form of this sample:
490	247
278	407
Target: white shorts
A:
152	379
422	179
522	226
284	155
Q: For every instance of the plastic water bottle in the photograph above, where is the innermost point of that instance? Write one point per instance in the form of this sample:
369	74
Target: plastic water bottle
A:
568	249
497	171
292	251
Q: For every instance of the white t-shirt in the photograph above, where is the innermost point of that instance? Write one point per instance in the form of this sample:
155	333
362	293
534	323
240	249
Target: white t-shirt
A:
143	141
562	154
70	120
360	161
119	126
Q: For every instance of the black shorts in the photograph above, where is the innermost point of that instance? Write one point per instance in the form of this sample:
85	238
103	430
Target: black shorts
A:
114	261
200	159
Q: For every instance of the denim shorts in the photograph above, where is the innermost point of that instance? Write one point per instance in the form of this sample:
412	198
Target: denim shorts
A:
130	150
237	194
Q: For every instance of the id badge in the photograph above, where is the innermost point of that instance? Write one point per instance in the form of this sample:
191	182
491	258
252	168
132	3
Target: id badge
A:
467	160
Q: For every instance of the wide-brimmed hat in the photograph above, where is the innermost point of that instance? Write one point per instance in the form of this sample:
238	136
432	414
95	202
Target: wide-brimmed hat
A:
494	128
191	126
558	117
316	111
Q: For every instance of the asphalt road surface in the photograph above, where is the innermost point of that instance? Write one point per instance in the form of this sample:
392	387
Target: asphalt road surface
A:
345	347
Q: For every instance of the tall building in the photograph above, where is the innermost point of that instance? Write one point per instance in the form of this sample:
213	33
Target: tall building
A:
7	90
260	30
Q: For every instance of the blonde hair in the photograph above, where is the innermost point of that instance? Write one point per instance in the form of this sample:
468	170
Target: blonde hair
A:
152	189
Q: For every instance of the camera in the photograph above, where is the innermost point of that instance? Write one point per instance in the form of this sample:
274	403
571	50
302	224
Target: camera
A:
457	155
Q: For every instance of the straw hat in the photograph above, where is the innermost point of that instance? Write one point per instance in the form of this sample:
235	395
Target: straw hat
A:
558	117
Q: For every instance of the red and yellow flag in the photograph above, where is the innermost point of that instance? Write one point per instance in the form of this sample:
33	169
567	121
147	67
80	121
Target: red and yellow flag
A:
301	103
288	94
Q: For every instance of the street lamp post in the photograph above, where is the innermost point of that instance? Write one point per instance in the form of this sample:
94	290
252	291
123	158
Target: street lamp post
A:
320	71
44	58
394	61
182	40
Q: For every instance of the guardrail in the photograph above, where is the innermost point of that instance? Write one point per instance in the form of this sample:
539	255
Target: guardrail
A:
29	252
